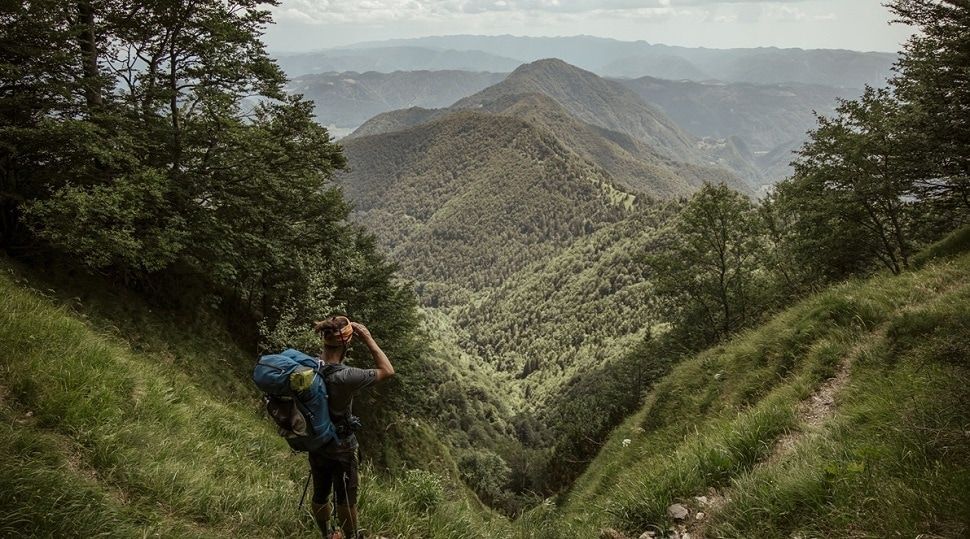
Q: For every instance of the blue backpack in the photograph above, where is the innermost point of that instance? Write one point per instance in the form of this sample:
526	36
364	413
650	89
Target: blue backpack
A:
296	398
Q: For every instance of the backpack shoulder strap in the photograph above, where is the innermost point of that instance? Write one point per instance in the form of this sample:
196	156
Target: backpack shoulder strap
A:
326	370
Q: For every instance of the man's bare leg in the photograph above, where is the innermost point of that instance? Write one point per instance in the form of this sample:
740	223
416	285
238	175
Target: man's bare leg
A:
321	513
347	514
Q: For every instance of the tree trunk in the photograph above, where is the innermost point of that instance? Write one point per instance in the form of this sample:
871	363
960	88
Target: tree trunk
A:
87	42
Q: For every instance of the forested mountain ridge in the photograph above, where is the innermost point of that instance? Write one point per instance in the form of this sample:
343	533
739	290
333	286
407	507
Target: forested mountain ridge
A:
633	129
751	128
632	162
592	100
465	201
747	124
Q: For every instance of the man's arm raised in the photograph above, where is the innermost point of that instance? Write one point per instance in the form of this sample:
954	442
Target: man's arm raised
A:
384	368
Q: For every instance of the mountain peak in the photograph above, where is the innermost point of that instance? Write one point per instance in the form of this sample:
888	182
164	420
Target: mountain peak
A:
591	99
546	63
552	68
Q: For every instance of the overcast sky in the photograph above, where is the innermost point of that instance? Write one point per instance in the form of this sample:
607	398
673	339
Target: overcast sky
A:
850	24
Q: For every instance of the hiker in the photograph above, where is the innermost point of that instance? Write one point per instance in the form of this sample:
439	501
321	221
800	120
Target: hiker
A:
335	464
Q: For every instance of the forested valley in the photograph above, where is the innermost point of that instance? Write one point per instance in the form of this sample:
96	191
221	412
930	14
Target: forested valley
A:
598	310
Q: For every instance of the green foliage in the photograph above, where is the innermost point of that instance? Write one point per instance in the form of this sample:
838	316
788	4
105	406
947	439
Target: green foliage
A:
892	458
153	162
595	400
485	472
127	223
893	461
136	429
956	243
710	272
465	202
931	84
887	173
110	410
591	301
424	488
849	207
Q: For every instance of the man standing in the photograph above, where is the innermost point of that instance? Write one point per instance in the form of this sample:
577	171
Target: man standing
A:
335	465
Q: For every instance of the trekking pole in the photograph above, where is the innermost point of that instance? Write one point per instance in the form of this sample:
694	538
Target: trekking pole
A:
354	521
305	487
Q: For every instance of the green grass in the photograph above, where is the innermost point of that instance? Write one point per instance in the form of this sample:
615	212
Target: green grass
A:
894	460
104	435
954	244
117	422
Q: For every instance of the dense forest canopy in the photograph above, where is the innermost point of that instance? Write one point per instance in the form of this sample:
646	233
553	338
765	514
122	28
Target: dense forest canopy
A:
153	141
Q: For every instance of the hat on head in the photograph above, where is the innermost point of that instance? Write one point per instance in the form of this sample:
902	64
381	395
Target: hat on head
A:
335	331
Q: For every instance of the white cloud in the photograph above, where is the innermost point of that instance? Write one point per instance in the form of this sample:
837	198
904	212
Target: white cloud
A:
853	24
329	11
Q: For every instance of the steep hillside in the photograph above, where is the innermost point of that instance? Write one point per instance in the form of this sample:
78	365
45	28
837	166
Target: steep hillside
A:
465	201
593	100
349	99
119	420
590	302
843	416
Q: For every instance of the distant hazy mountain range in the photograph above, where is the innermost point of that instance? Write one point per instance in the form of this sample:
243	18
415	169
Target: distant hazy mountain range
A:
602	121
758	102
390	59
764	116
769	119
606	57
349	99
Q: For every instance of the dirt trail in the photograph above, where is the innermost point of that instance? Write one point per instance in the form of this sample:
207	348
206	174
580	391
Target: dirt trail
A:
814	411
810	415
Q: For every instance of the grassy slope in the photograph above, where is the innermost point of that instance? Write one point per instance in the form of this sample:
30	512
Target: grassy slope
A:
893	460
150	428
158	433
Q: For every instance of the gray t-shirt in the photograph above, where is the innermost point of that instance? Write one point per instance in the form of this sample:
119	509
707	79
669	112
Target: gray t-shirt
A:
343	383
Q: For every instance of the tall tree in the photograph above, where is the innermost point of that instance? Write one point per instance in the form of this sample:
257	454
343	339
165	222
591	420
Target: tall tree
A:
154	140
933	82
850	200
45	132
709	273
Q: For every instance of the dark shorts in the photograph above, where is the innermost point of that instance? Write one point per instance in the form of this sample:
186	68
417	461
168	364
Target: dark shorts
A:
335	473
